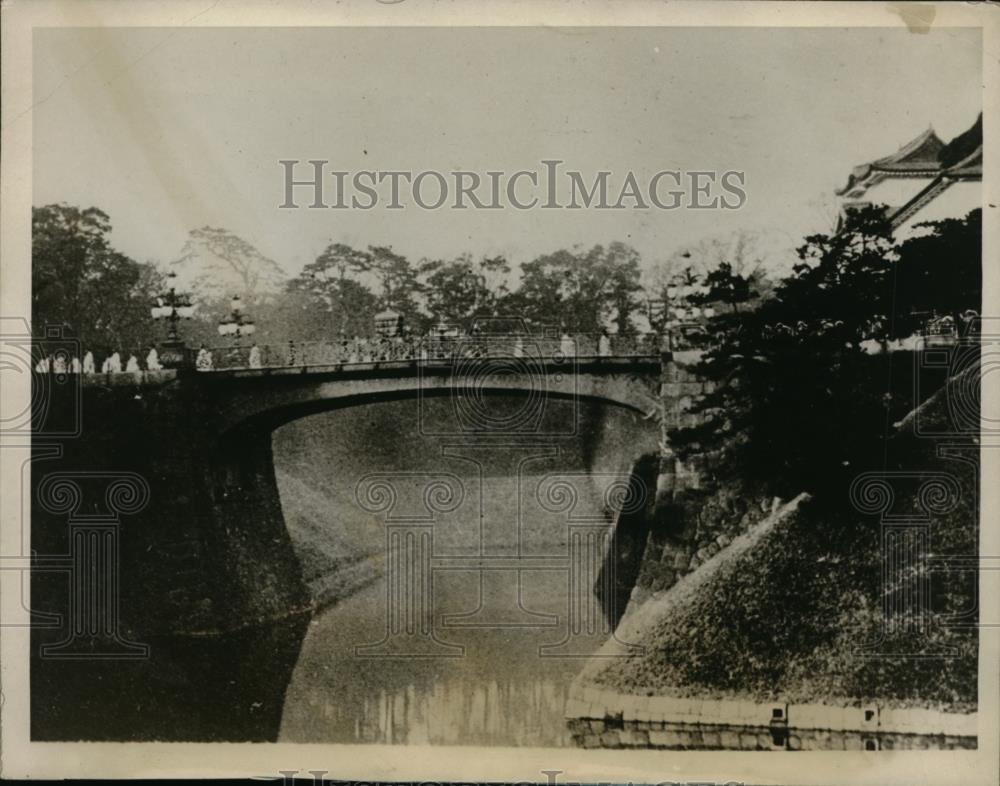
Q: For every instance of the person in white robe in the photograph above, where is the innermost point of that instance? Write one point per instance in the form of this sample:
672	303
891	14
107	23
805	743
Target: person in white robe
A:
74	365
132	364
604	345
567	347
88	362
59	364
42	366
203	362
153	360
115	363
255	356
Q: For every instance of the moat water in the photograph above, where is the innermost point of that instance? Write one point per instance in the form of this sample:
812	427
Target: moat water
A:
503	596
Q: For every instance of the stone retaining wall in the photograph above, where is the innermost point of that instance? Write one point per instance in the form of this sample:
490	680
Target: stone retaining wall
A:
603	719
669	556
685	533
679	388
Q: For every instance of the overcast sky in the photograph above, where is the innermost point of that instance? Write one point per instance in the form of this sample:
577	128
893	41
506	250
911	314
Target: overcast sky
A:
168	130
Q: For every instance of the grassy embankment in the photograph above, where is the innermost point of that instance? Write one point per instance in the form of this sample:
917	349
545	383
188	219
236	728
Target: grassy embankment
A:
789	609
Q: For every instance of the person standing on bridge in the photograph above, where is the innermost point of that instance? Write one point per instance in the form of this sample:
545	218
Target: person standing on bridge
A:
115	363
254	356
567	347
604	344
132	364
74	365
88	362
203	361
42	366
153	360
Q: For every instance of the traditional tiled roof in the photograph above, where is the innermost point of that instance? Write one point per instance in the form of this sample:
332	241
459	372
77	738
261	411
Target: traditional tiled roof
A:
925	156
919	153
963	145
970	166
973	170
920	156
961	159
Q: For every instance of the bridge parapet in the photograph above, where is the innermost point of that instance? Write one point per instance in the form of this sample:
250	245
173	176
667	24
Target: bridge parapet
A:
435	348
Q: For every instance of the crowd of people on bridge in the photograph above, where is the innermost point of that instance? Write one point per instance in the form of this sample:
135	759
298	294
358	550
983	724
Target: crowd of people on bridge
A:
359	349
205	360
403	346
65	362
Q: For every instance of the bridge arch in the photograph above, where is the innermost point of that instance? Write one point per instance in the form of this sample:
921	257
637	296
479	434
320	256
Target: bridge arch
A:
266	399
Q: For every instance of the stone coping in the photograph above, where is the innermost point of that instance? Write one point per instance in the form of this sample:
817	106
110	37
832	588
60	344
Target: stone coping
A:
591	702
122	378
582	363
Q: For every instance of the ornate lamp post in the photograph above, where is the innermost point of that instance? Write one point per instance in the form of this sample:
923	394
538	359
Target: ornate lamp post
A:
171	308
237	323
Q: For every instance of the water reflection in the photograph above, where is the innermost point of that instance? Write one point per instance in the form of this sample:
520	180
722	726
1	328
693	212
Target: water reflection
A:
501	691
502	588
453	712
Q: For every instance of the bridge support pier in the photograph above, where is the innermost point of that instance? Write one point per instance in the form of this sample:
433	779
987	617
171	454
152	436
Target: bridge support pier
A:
209	596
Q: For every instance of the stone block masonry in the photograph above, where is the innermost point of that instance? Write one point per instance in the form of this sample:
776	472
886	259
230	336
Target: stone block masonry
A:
599	718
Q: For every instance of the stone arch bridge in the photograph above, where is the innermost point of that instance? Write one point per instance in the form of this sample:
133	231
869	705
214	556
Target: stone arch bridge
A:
160	487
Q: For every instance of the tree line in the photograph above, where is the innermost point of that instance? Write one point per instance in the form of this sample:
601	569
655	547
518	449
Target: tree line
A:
803	398
81	281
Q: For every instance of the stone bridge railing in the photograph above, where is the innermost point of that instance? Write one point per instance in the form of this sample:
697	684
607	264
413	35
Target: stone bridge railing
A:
428	348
